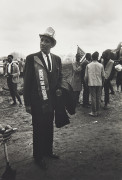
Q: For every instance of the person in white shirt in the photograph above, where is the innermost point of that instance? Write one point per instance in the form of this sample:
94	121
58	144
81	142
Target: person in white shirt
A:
12	74
94	76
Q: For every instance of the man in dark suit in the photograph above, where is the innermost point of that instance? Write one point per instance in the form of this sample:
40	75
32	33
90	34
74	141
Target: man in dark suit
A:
42	79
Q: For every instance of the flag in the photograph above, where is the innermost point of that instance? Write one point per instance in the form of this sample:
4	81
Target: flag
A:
81	53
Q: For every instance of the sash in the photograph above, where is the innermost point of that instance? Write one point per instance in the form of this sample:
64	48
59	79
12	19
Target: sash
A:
43	85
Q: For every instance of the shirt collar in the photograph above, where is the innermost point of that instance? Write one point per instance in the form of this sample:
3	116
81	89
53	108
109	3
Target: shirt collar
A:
9	64
44	55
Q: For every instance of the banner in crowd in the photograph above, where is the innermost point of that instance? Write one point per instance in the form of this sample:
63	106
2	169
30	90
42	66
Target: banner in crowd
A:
81	52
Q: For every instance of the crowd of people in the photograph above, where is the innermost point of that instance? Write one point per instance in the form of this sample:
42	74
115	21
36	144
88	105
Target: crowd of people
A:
44	84
94	75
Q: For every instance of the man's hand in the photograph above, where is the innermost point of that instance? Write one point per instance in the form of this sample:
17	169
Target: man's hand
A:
28	109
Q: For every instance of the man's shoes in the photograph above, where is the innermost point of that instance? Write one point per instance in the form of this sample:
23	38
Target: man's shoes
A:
14	104
87	106
93	114
53	156
41	163
20	105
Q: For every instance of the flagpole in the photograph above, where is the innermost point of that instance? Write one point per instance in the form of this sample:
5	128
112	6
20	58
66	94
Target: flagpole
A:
83	59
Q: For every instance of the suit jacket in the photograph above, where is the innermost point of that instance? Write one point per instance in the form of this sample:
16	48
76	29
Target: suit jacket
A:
30	82
94	74
64	103
76	77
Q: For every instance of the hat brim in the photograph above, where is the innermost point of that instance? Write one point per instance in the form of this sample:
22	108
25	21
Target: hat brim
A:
52	39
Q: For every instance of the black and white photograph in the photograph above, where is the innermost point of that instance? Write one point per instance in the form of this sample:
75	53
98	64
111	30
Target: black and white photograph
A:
60	90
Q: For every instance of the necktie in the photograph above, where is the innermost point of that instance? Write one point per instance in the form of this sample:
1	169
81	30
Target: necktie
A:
48	61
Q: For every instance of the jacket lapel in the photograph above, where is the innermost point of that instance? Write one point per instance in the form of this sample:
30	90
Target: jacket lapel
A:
42	61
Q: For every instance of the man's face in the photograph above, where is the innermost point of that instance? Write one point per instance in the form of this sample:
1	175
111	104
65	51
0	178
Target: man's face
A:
106	56
45	44
9	59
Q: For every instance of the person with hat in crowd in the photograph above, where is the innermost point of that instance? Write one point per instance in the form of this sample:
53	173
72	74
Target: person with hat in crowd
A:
76	78
109	73
12	73
42	79
94	76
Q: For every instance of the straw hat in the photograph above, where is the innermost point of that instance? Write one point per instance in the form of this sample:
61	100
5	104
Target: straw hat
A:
50	33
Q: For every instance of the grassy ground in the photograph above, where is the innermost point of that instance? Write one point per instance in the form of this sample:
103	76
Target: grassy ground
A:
90	148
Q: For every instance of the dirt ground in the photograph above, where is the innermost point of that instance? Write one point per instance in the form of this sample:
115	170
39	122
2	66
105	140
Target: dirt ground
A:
90	148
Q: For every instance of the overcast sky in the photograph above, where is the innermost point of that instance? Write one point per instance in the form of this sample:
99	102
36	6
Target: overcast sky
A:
91	24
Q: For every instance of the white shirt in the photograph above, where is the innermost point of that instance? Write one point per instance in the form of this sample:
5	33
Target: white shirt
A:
45	59
118	67
94	73
9	67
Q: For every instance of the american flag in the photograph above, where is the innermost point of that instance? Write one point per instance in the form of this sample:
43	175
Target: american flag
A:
81	52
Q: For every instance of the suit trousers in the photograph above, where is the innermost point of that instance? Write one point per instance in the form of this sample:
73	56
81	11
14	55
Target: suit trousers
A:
96	92
42	131
13	90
